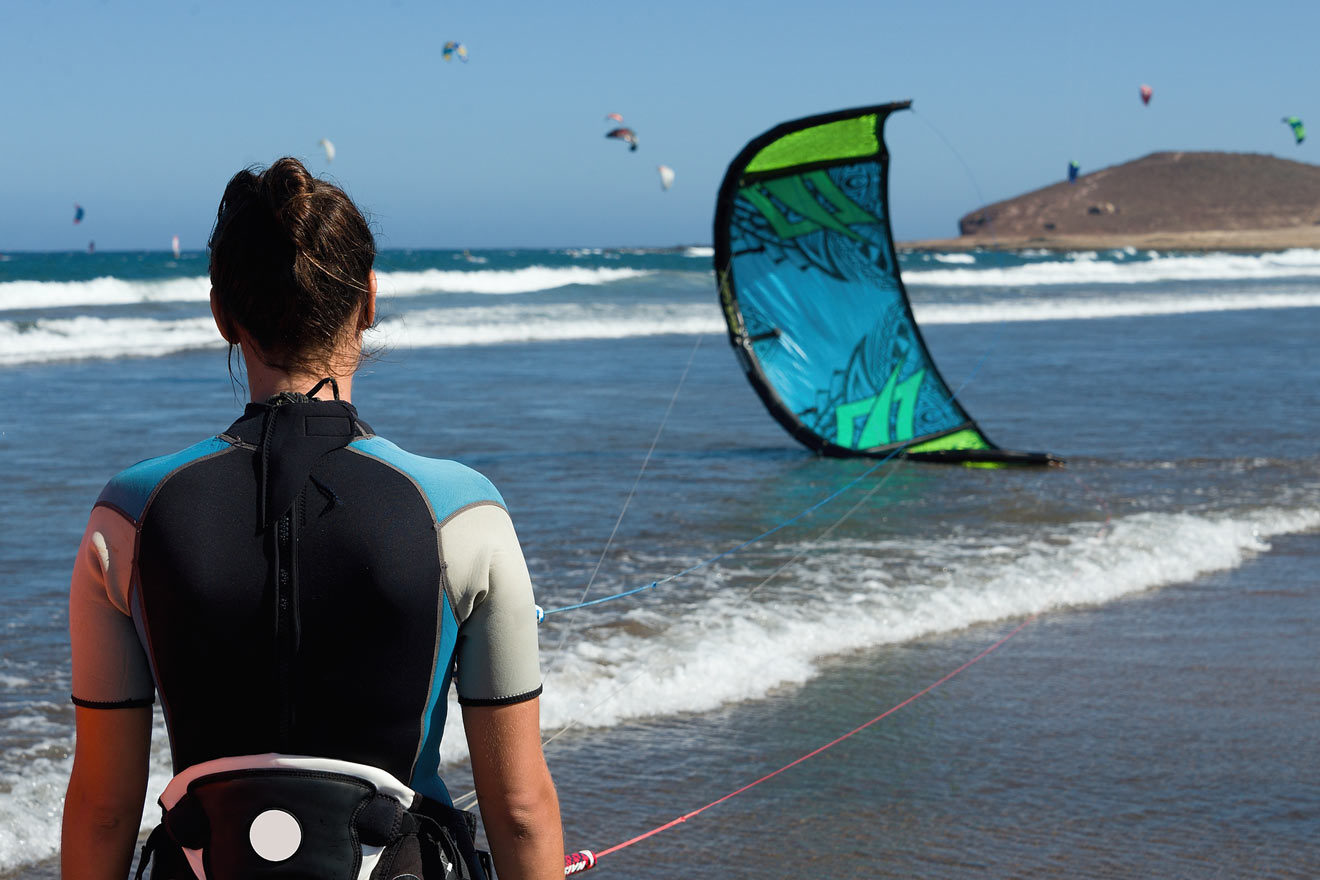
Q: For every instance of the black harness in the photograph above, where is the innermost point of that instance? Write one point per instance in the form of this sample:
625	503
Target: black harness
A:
304	823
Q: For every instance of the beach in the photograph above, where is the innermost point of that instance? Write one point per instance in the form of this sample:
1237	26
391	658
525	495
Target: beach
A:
1157	715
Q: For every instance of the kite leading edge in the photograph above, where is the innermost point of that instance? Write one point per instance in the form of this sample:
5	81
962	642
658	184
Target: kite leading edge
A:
816	309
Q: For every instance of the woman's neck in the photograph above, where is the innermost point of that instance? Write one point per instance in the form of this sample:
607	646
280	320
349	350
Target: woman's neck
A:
265	381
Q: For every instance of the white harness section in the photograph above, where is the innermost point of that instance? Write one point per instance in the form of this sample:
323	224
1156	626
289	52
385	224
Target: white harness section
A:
276	834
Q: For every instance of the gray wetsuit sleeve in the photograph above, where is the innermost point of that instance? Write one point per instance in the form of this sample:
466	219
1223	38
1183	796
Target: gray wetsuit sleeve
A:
110	668
491	594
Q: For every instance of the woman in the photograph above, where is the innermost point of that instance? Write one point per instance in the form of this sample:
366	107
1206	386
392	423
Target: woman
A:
301	593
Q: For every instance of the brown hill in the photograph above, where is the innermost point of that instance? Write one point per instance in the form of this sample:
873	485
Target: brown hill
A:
1164	199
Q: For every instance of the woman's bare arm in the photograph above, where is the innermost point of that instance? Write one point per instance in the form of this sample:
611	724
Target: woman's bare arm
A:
103	806
519	807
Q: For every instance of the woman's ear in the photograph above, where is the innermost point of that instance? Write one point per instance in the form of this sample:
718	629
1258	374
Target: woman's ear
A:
222	322
369	309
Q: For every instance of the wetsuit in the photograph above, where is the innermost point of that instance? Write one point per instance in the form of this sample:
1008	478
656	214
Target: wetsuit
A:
298	585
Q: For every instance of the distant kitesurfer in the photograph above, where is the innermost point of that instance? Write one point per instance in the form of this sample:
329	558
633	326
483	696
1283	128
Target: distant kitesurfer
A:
1298	129
301	593
627	135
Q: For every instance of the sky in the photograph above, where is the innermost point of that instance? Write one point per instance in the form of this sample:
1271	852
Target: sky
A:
141	111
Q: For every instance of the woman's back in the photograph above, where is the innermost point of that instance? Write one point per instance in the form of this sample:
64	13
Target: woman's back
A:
302	594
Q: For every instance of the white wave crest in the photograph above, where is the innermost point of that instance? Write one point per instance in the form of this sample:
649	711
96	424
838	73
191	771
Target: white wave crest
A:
1059	309
85	337
110	291
499	281
1087	268
499	324
106	291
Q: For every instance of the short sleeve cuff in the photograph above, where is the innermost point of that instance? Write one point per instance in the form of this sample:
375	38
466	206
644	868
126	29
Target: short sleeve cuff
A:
501	701
114	704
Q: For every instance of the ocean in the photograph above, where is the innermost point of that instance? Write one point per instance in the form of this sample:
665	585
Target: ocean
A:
1157	713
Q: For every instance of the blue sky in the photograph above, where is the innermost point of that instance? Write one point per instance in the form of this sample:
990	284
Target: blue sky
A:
141	111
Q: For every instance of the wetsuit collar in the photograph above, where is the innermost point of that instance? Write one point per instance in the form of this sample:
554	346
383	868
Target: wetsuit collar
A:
291	433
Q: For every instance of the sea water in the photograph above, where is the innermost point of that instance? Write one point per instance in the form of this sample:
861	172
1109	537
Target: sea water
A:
1159	717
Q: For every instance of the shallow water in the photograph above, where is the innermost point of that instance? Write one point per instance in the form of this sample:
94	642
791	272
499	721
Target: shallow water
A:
1155	720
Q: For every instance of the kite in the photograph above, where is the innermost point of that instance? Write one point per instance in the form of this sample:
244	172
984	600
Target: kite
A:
615	117
1073	169
453	49
329	147
627	135
666	176
816	310
1146	92
1298	130
78	213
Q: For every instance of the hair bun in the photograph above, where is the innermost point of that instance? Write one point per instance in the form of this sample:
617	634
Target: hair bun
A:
291	261
288	190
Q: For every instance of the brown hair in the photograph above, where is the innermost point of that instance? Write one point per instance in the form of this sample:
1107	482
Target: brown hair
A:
291	259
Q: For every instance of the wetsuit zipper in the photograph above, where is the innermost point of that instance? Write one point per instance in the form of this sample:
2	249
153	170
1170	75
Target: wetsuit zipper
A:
286	626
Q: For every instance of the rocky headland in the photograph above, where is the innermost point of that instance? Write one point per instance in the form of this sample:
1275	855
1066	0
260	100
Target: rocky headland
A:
1194	201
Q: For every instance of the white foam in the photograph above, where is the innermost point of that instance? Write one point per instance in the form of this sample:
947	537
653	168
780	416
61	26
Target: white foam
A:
1087	268
701	252
726	651
105	291
500	324
32	785
109	291
965	259
1074	309
58	339
50	340
499	281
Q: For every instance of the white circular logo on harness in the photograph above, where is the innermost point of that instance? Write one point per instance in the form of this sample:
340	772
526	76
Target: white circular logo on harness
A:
275	835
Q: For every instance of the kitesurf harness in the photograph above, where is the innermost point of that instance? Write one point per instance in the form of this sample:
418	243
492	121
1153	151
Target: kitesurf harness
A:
288	816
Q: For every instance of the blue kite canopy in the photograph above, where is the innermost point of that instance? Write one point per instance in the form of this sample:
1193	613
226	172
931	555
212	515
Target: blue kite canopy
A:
816	309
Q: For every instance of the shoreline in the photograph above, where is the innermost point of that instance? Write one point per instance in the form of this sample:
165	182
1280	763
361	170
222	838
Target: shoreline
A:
1203	241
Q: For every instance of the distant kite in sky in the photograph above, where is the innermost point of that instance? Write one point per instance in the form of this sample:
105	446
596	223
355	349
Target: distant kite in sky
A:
616	117
627	135
329	148
454	49
78	213
1073	168
174	246
666	176
1298	130
1146	92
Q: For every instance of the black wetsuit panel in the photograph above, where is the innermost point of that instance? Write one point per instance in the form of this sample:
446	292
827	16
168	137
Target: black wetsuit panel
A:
336	656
